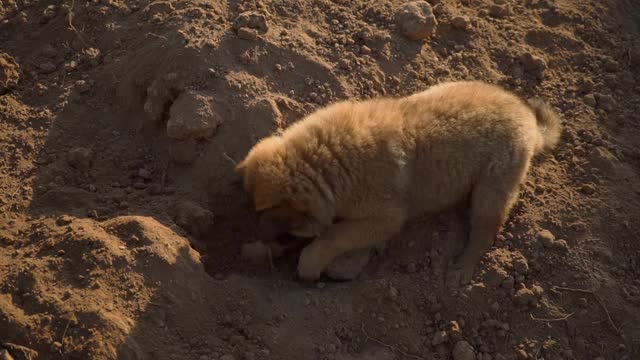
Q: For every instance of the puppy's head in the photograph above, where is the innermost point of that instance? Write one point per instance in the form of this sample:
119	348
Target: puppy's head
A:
285	201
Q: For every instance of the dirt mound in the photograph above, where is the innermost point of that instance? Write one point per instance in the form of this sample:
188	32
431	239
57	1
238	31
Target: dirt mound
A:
121	219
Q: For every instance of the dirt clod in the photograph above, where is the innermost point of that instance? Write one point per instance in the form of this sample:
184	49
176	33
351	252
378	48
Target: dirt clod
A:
253	20
192	117
9	73
80	158
462	350
525	297
460	22
416	20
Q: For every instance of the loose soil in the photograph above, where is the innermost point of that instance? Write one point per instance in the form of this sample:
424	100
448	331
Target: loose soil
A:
121	219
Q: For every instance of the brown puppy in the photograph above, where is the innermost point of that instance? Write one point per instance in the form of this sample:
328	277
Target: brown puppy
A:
374	164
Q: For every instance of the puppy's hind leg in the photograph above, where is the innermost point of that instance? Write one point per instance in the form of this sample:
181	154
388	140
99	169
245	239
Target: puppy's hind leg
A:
491	200
349	235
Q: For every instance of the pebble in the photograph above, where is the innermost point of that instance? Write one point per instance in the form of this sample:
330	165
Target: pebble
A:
416	20
499	11
590	100
411	268
49	51
9	73
47	67
144	174
508	283
227	357
520	265
83	86
455	331
247	34
463	351
252	20
460	22
533	64
139	186
546	238
49	12
439	338
192	116
365	50
80	158
64	220
605	102
495	276
525	297
561	245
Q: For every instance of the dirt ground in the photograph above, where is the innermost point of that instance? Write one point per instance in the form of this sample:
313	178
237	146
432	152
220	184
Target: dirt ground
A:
121	218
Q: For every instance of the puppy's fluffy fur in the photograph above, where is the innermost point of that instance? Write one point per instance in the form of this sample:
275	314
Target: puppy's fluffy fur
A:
351	174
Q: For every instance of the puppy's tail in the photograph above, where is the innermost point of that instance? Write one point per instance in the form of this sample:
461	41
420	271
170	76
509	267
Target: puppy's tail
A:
549	124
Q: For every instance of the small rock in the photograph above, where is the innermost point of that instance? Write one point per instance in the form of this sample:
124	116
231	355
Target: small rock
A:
253	20
499	11
393	292
192	116
247	34
183	152
9	73
525	297
49	12
454	330
159	8
416	20
495	276
561	245
587	189
508	283
411	268
605	102
463	351
144	174
521	354
349	265
590	100
227	357
92	55
139	186
460	22
546	238
610	65
82	86
520	265
48	51
64	220
47	67
604	160
537	290
365	50
80	158
439	337
533	64
193	218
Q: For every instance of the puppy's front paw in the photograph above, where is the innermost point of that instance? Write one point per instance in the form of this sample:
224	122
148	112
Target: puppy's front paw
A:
309	266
